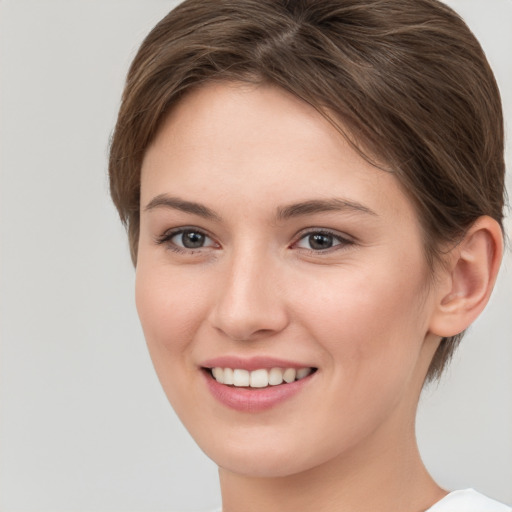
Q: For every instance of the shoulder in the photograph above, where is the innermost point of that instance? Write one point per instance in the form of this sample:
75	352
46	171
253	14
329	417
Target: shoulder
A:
468	500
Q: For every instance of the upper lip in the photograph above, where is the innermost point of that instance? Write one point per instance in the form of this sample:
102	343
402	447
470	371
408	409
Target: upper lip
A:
252	363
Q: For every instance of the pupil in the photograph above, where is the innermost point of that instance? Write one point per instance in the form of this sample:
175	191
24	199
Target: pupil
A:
320	241
192	239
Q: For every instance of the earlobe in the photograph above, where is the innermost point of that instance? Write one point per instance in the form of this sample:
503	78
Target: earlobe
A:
469	278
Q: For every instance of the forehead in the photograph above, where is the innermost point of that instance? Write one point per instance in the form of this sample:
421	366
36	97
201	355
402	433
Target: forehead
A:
218	118
260	140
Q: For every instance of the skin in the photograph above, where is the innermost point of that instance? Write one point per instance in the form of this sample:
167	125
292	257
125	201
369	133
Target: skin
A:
361	312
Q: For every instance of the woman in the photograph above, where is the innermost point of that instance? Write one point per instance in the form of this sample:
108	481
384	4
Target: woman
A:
313	192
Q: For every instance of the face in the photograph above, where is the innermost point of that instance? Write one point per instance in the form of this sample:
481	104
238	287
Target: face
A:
281	284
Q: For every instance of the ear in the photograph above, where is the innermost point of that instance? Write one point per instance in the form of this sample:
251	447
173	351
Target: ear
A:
465	285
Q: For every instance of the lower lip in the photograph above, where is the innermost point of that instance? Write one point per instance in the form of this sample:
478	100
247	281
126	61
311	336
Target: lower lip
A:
254	399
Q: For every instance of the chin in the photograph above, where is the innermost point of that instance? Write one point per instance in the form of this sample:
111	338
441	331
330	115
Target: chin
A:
267	451
261	464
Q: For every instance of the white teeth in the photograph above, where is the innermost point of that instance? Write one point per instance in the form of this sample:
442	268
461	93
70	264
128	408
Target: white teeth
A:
289	375
218	374
275	376
258	378
303	372
241	378
228	376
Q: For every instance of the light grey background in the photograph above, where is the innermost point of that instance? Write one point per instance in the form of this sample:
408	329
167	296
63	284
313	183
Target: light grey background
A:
84	425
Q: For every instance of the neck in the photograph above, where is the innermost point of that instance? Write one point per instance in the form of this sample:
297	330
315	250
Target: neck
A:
385	486
387	480
382	472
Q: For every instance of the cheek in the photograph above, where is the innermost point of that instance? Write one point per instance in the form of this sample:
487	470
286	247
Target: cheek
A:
371	332
370	322
170	311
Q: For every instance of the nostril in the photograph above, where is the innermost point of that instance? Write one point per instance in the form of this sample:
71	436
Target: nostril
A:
247	307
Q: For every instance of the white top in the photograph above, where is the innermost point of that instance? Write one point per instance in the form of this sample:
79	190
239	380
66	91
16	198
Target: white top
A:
467	500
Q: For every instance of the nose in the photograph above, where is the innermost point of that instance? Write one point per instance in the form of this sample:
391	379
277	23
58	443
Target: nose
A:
250	304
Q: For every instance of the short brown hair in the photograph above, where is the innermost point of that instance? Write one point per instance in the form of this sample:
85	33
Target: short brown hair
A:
406	79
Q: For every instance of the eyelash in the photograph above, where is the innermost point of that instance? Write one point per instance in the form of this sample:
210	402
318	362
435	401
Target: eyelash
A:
165	239
343	242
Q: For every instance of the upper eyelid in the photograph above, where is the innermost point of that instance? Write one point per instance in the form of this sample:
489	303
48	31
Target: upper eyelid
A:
170	233
344	241
326	231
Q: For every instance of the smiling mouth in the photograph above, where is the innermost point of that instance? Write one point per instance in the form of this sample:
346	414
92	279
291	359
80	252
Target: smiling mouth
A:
262	378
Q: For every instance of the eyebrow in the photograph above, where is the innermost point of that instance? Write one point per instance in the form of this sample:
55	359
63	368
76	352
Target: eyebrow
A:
165	201
321	206
283	212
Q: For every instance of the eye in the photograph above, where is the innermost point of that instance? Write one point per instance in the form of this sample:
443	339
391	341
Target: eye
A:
321	241
190	239
186	239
